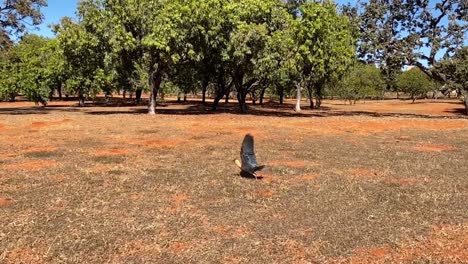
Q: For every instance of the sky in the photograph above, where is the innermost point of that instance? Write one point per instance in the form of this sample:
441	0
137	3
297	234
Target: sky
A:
53	13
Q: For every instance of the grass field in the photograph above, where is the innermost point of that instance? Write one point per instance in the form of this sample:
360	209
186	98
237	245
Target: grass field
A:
378	182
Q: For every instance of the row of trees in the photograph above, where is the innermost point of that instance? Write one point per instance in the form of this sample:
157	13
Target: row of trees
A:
248	47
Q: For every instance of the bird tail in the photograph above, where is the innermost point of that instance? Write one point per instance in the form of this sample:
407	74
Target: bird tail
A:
238	163
259	168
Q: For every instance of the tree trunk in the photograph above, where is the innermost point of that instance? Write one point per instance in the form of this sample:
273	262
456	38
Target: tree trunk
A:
155	81
204	86
262	95
242	104
319	96
310	95
218	97
59	90
281	95
228	92
81	99
138	93
124	94
185	98
298	97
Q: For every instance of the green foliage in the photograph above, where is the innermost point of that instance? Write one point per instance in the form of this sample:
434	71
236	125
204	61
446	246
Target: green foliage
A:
33	68
361	82
415	83
16	15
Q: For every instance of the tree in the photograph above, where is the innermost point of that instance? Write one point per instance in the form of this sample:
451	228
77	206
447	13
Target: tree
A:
362	81
84	54
415	82
32	68
326	48
455	70
397	33
15	15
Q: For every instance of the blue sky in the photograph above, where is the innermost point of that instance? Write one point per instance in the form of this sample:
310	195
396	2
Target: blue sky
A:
53	13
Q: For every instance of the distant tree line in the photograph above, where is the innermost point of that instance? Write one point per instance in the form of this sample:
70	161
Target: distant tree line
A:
245	48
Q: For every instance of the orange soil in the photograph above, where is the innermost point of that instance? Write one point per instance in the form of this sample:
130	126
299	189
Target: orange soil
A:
23	255
264	194
42	124
445	244
434	148
33	166
5	202
177	201
178	247
336	126
364	173
40	149
2	127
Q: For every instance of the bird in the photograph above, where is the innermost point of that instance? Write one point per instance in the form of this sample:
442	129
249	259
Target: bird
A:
248	161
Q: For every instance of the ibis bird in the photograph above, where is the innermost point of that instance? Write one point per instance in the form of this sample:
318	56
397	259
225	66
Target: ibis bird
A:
248	161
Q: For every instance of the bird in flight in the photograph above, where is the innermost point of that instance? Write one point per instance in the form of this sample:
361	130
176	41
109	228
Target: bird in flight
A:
248	163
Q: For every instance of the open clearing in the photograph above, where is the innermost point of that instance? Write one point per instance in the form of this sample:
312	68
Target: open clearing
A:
378	182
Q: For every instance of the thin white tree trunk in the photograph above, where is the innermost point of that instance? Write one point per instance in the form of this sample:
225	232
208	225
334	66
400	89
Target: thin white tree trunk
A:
298	98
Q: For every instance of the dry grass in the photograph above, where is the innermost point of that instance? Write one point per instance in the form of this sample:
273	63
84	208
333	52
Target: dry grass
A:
111	185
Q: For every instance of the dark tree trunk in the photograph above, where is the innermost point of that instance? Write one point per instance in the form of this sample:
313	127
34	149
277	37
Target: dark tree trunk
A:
262	95
281	95
124	94
242	104
319	96
204	86
81	99
59	90
185	98
218	97
178	98
138	93
228	92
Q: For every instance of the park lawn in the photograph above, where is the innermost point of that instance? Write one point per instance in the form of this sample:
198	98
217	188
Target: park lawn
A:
349	184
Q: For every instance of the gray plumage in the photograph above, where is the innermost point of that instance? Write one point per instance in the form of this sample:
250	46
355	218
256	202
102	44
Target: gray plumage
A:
249	164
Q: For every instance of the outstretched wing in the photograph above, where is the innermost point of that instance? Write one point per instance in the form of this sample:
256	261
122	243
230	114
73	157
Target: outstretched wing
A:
249	161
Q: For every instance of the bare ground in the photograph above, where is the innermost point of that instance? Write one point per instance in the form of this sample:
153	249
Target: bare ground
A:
378	182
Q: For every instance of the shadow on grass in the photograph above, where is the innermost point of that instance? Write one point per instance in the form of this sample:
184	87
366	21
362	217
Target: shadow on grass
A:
198	108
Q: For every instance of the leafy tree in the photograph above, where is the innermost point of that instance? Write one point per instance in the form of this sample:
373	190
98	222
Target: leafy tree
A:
415	83
15	15
325	44
455	70
32	68
362	81
397	33
85	58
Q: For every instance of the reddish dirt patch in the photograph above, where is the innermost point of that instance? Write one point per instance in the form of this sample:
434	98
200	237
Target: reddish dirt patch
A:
135	248
445	244
434	148
42	124
33	165
5	202
364	173
111	152
338	126
2	127
177	202
241	232
178	247
264	194
23	255
222	229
